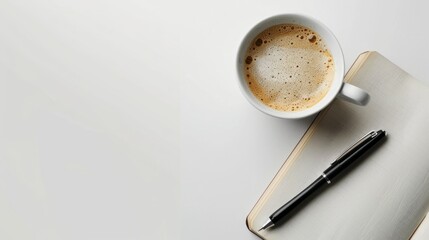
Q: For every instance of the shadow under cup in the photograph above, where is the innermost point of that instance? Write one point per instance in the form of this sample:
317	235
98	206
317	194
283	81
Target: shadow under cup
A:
332	46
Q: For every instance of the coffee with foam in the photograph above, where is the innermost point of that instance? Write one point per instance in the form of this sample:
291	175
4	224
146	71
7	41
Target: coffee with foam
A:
289	68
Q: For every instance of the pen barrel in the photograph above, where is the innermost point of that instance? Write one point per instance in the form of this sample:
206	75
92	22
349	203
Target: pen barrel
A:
336	169
297	200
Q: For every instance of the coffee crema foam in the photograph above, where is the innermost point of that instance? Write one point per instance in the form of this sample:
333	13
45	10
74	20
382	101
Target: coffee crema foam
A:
288	67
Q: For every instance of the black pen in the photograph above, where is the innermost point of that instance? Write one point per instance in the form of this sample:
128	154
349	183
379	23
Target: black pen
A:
341	163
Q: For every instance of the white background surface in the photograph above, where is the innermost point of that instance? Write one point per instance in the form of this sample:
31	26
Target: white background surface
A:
123	119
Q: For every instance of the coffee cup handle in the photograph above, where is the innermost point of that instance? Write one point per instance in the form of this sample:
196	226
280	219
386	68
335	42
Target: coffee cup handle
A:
353	94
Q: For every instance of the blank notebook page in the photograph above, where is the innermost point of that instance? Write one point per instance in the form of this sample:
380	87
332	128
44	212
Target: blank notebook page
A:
385	195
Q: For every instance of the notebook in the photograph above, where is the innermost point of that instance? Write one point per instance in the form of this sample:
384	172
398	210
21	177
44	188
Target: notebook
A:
386	195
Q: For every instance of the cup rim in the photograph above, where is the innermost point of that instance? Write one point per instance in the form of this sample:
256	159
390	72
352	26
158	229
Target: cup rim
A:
324	102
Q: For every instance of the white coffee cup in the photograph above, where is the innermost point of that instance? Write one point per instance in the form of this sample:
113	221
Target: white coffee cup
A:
338	87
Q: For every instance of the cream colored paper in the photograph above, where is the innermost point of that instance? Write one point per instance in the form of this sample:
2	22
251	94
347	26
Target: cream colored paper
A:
385	196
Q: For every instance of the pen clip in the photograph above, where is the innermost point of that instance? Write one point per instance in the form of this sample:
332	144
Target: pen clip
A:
368	136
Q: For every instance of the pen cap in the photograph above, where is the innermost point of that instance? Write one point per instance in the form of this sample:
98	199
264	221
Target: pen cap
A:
354	155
